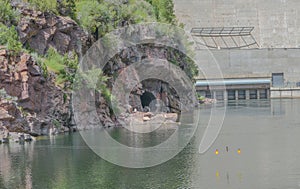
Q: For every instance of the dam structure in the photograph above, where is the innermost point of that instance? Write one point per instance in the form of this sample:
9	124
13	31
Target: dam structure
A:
256	45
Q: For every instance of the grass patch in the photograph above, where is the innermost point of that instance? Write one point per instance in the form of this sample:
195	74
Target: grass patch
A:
54	61
55	67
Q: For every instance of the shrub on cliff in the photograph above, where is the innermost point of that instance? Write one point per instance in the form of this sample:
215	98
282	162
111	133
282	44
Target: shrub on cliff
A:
61	7
63	65
9	38
164	10
8	16
45	5
67	8
99	18
94	79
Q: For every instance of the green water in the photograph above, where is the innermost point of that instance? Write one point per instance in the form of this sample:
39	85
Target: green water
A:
266	132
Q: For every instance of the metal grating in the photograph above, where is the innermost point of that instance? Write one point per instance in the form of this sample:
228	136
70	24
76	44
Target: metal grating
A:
225	37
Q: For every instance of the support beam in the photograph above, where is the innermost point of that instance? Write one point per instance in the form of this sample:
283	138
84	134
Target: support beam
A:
225	95
247	94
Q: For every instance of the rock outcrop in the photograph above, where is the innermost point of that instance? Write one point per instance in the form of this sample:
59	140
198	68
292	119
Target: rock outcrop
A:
32	103
159	96
160	90
41	30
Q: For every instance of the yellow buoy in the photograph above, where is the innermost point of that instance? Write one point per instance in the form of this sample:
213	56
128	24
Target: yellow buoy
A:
217	152
239	151
218	175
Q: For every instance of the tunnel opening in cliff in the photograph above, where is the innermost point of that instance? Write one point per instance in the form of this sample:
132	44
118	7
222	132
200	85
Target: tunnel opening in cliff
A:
146	99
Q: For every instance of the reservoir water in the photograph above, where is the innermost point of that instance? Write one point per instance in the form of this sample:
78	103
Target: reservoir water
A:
258	147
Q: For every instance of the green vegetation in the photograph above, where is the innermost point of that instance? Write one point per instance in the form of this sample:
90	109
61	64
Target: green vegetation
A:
56	123
54	61
45	5
88	79
14	100
63	66
41	63
5	96
61	7
100	17
200	98
164	10
8	16
67	8
10	39
23	111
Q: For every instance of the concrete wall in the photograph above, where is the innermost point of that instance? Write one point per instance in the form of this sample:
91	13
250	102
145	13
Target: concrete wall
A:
285	93
252	63
276	22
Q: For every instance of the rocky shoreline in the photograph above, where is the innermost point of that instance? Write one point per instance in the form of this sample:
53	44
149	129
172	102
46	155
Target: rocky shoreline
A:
141	118
7	137
137	121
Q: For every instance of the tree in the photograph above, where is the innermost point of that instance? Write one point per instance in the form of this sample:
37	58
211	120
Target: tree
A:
97	18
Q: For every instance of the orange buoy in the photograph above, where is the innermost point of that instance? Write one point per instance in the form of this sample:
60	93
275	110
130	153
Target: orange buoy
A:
239	151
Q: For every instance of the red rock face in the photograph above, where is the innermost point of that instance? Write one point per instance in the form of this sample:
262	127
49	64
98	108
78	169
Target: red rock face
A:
41	30
38	101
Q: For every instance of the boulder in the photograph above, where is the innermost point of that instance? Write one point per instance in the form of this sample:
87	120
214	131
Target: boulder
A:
146	118
171	116
27	137
4	115
5	136
148	114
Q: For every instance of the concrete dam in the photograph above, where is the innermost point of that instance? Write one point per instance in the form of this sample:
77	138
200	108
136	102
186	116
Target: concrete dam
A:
255	44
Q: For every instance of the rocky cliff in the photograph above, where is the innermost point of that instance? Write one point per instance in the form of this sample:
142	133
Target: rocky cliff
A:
36	104
40	30
30	102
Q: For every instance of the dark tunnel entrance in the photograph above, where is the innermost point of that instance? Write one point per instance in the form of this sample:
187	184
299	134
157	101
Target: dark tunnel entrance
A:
147	98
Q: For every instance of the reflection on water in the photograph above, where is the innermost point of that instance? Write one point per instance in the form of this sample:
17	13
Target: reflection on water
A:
15	164
258	147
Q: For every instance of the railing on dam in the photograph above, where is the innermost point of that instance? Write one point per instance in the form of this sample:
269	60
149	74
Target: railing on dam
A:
224	37
287	90
289	84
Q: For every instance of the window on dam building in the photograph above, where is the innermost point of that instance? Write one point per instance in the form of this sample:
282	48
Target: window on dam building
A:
277	80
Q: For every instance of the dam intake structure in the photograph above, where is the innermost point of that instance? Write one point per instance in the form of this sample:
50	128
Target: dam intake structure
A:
250	41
